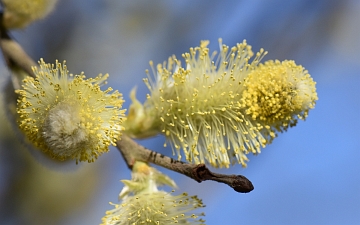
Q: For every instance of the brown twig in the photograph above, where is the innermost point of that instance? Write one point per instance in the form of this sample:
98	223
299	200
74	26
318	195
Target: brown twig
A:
132	151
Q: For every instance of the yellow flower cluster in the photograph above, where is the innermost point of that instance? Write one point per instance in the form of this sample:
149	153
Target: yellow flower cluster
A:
20	13
154	208
143	203
278	93
220	107
69	117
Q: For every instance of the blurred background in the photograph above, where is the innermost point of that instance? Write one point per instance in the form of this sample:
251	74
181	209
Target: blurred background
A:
309	175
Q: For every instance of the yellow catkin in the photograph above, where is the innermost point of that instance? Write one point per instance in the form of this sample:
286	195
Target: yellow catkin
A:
155	208
20	13
198	107
277	94
221	106
69	116
143	203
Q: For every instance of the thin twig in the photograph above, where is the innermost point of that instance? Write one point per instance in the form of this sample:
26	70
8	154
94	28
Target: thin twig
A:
132	151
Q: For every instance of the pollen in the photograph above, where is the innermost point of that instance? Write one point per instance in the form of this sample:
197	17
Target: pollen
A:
277	94
69	117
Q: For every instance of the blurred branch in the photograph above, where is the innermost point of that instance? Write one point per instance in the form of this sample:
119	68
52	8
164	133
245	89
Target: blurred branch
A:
15	57
132	151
